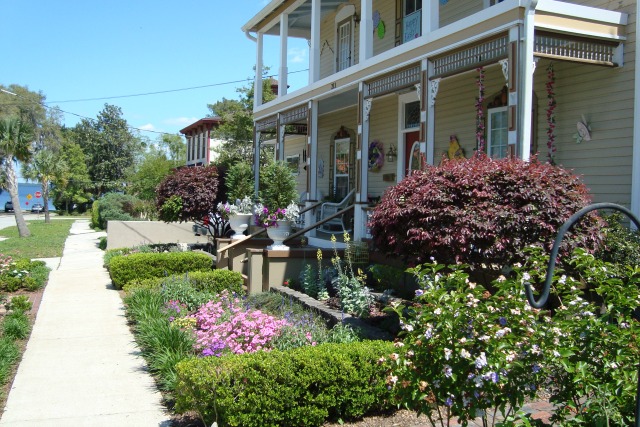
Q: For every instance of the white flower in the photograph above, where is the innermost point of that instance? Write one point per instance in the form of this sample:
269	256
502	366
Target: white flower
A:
465	354
481	361
526	276
437	311
447	353
562	280
484	338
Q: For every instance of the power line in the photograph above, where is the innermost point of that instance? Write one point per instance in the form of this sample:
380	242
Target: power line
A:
165	91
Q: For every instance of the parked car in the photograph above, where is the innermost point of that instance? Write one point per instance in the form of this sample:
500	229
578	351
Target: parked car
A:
8	207
37	208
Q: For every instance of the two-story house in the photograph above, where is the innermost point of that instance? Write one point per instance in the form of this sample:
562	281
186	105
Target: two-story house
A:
393	83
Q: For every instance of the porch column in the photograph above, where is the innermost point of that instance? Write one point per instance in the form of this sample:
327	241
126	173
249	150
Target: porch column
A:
366	30
362	162
279	140
257	85
525	86
314	49
256	162
284	70
430	16
432	91
635	160
312	162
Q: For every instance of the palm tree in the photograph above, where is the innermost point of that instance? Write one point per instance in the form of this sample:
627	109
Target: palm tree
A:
44	168
16	138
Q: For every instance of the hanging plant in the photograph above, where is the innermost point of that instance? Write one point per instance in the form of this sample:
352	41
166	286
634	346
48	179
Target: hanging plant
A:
551	117
376	155
480	111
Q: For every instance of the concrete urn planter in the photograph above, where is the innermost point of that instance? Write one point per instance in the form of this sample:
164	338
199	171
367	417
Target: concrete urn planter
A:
278	233
239	223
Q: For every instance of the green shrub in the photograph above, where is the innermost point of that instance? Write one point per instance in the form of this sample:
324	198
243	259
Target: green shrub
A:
20	303
116	207
214	282
95	221
151	248
145	265
239	181
9	354
301	387
179	288
621	245
16	325
102	243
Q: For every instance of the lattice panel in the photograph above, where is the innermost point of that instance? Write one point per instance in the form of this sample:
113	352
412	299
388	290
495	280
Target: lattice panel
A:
266	124
294	115
396	81
471	57
583	50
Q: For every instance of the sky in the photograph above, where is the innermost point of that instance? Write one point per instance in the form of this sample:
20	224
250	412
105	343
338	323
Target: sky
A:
85	49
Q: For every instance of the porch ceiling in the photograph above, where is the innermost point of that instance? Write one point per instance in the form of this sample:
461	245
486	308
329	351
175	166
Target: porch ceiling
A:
299	18
336	102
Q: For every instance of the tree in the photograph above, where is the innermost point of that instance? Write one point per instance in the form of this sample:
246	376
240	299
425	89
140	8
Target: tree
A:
72	187
148	174
16	137
175	147
188	193
110	148
46	168
236	128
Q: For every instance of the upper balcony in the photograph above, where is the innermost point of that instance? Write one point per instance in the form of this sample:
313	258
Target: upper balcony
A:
345	47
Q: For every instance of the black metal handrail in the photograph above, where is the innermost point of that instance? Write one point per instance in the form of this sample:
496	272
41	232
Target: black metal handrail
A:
544	296
318	223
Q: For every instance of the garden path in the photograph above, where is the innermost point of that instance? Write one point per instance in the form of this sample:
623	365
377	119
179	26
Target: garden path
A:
81	366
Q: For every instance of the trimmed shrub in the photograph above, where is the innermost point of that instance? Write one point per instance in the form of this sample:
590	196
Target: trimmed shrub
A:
95	222
146	265
482	211
277	186
151	248
239	181
214	281
300	387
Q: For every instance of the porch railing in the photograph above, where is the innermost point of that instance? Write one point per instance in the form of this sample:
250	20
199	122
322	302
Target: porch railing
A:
319	223
244	239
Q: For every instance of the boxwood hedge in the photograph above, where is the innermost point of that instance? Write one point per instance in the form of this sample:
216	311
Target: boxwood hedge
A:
146	265
214	281
300	387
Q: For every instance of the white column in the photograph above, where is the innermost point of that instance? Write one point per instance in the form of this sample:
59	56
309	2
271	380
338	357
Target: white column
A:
366	30
525	88
432	91
284	71
314	50
430	16
256	164
359	214
257	88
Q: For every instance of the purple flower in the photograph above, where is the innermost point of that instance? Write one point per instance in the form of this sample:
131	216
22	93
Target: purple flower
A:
448	402
502	321
419	292
535	369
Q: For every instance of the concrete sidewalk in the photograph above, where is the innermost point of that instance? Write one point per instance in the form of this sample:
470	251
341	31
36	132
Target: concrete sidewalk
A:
82	366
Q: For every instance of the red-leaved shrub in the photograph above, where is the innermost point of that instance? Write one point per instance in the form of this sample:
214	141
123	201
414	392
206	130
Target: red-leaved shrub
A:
482	211
196	186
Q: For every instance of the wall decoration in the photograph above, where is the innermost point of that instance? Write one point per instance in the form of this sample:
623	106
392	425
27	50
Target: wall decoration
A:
551	117
455	151
480	142
584	131
378	25
376	156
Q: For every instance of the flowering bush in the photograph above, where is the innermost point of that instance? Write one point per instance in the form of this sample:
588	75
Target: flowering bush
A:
226	325
267	218
464	350
243	206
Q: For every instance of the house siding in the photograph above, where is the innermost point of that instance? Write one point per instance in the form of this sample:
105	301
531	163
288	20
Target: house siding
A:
383	120
453	11
293	145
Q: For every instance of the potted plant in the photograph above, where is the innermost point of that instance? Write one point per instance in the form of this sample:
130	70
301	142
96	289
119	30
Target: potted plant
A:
278	209
238	214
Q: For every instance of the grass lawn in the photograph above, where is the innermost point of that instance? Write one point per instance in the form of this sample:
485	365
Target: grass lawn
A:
46	240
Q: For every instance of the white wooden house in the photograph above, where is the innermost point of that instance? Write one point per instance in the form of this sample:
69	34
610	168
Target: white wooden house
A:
416	77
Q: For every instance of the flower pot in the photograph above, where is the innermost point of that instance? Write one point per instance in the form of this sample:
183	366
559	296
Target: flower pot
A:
278	233
239	223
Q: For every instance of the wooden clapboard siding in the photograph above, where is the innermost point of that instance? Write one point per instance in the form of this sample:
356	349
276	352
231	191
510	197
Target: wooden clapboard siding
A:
453	10
383	121
387	11
328	125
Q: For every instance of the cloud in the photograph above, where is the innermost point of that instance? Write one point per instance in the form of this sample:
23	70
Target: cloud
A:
148	126
297	55
181	121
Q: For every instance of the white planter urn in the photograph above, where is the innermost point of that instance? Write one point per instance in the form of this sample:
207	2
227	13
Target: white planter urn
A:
278	233
239	223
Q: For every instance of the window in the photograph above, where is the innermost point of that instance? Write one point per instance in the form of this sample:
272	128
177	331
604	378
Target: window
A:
344	48
412	20
341	165
497	132
412	115
294	163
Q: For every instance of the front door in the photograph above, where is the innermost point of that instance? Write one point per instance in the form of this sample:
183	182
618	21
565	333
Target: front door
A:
411	152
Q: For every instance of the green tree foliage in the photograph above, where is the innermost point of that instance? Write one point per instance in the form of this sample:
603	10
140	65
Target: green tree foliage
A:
72	187
110	148
148	174
277	186
26	105
196	187
16	137
237	124
175	147
239	181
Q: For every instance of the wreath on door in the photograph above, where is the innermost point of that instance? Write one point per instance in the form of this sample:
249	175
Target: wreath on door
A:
376	156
